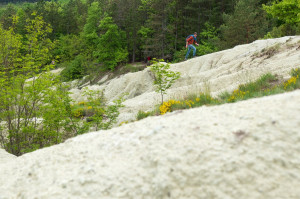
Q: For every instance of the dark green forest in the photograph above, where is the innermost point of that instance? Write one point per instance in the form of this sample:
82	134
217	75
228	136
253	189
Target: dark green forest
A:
108	33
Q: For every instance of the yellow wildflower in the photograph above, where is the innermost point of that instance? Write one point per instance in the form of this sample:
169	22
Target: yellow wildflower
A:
81	103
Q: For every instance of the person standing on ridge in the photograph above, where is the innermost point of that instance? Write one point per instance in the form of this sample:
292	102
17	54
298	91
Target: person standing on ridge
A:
189	44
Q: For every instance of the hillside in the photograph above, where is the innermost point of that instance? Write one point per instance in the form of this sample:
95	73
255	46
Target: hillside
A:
248	149
216	73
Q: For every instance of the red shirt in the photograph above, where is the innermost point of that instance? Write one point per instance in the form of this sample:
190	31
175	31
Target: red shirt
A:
191	40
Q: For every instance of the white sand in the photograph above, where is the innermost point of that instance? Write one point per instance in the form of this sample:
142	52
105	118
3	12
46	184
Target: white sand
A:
246	150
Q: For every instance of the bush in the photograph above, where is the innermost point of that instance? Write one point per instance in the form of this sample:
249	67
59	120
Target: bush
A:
75	69
293	82
102	115
68	47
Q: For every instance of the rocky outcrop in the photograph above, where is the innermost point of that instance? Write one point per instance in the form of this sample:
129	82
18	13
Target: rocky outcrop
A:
247	150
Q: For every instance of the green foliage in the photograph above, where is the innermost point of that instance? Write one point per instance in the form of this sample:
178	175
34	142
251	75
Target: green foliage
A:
295	72
142	115
294	82
35	107
7	16
163	77
90	31
68	47
258	88
75	69
264	82
145	33
103	115
285	10
37	45
209	36
25	108
111	49
246	24
151	28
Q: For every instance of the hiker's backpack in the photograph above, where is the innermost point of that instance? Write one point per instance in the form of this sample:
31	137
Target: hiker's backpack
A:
195	39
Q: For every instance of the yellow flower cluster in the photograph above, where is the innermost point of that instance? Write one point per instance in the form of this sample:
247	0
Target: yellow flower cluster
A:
81	103
78	113
291	81
189	103
166	106
237	94
81	109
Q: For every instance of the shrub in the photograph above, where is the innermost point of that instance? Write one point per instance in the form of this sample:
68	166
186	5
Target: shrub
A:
102	115
293	82
295	72
68	47
75	69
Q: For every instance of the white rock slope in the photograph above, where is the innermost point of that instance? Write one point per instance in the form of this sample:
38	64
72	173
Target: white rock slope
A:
216	72
246	150
250	149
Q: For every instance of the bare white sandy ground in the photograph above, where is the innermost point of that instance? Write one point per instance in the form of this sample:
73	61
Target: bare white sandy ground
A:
216	72
246	150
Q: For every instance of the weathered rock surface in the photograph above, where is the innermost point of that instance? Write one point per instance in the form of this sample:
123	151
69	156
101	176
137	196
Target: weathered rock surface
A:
247	150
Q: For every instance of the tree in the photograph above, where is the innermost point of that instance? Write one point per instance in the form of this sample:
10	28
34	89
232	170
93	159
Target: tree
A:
90	30
163	77
73	17
20	98
161	42
286	13
246	24
128	17
286	10
112	47
7	16
52	16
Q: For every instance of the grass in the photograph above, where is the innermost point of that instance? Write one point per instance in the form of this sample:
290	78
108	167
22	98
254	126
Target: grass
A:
267	84
270	51
142	115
